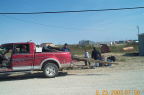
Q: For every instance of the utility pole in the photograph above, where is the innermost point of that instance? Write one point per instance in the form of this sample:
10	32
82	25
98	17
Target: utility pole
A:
138	29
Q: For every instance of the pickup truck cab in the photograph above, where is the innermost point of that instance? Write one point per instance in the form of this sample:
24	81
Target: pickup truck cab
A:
19	57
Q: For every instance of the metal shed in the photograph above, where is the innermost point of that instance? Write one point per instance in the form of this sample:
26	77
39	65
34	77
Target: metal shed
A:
141	44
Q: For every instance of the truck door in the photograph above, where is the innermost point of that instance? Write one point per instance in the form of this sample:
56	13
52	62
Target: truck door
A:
22	59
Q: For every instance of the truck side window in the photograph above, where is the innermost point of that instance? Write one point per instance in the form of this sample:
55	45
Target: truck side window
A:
22	49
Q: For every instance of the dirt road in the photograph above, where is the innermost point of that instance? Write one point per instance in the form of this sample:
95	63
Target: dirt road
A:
72	84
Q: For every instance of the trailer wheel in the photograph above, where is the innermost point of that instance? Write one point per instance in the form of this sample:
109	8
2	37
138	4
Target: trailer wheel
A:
50	70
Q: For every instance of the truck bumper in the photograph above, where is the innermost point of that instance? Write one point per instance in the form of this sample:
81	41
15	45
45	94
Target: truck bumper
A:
67	65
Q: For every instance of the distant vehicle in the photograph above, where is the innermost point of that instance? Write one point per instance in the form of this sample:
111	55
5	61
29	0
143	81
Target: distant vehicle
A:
136	41
121	42
19	57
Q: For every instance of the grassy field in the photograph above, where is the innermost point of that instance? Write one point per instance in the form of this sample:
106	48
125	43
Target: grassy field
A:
78	50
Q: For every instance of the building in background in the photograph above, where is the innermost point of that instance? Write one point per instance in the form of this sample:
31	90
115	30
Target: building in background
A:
141	44
107	43
86	43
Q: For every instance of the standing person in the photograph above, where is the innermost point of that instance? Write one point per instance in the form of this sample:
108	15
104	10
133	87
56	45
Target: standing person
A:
65	48
86	56
96	56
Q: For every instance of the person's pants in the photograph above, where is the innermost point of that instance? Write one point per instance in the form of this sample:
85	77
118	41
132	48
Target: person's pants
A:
86	62
96	64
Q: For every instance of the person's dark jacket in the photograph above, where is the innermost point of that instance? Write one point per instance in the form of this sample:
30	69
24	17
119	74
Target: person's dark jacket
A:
96	54
65	49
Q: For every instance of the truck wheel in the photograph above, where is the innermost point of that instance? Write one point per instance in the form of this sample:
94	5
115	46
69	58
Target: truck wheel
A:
50	70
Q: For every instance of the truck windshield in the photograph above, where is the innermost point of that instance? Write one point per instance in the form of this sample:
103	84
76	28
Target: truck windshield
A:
5	48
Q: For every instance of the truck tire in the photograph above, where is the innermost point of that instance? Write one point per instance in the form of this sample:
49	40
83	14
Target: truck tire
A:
50	70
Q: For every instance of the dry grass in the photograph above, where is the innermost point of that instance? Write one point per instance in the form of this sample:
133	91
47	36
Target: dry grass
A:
115	49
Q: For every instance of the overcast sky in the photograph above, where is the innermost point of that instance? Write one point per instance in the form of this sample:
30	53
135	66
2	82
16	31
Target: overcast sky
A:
70	27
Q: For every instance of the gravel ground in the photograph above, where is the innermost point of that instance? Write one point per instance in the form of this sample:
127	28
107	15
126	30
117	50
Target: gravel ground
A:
128	75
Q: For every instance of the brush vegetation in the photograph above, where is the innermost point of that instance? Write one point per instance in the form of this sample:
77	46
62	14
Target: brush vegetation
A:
117	48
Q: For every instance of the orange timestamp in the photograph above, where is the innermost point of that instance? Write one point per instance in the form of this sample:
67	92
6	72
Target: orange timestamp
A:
119	92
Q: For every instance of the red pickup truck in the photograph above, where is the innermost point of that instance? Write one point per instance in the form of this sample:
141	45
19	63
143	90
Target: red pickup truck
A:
19	57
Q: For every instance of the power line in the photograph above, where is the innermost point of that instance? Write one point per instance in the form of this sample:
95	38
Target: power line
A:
77	11
49	25
61	26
